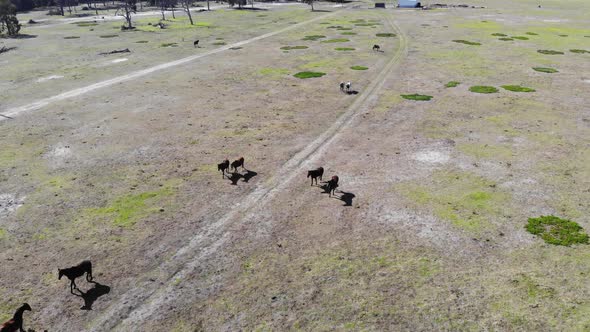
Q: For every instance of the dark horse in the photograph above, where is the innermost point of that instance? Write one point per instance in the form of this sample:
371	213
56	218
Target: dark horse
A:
196	43
222	167
332	185
238	163
16	323
376	47
315	174
76	271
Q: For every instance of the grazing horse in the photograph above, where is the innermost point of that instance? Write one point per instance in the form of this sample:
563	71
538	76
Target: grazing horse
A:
76	271
238	163
332	185
196	43
16	323
342	86
222	167
348	85
376	47
315	174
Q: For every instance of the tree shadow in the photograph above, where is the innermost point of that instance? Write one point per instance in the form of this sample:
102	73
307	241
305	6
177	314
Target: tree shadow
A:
91	295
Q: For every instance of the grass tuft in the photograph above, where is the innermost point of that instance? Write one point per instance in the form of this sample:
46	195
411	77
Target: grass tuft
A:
109	36
288	48
417	97
359	68
531	33
505	39
579	51
466	42
385	34
169	45
483	89
349	33
314	37
344	49
549	52
142	41
520	37
499	34
557	231
309	74
72	37
545	70
517	88
452	84
336	40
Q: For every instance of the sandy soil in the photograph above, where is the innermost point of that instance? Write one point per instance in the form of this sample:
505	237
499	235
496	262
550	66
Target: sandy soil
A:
425	233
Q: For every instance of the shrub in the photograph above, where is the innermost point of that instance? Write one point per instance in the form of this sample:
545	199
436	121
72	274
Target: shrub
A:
314	37
417	97
499	34
109	36
532	34
452	84
385	34
348	33
219	43
308	74
520	37
483	89
336	40
557	231
344	49
466	42
545	70
288	48
550	52
505	39
359	68
579	51
142	41
71	37
517	88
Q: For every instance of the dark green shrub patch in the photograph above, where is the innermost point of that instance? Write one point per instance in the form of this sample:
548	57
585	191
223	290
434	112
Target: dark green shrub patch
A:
545	70
348	33
483	89
308	74
549	52
417	97
288	48
517	88
520	38
386	34
466	42
142	41
452	84
499	34
109	36
314	37
505	39
359	68
557	231
169	45
336	40
72	37
579	51
532	34
344	49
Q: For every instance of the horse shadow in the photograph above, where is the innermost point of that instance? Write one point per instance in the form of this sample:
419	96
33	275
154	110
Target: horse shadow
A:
347	198
91	295
352	92
235	177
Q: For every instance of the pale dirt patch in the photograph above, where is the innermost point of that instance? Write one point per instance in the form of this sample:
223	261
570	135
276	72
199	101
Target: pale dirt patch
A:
48	78
119	60
432	157
9	203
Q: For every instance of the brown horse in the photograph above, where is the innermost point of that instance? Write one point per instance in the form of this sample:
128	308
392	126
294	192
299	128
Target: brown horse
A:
16	323
76	271
332	185
222	167
238	163
315	174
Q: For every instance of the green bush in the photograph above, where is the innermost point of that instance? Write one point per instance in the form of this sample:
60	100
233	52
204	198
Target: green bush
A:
72	37
359	68
499	34
532	34
520	37
336	40
288	48
308	74
505	39
314	37
517	88
483	89
452	84
349	33
417	97
579	51
550	52
557	231
142	41
385	34
109	36
169	45
545	70
466	42
344	49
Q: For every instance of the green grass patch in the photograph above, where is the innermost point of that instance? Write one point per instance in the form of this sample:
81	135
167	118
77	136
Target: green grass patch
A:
497	34
549	52
483	89
452	84
277	72
288	48
466	42
517	88
344	49
335	27
545	70
505	39
169	45
126	211
359	68
309	74
557	231
520	37
109	36
579	51
336	40
348	33
385	34
562	35
345	29
142	41
314	37
72	37
219	43
531	34
417	97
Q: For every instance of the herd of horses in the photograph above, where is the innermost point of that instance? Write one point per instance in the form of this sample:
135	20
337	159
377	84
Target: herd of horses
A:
72	273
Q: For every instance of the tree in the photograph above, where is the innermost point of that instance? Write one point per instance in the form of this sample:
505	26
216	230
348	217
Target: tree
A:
309	2
128	7
8	20
186	6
